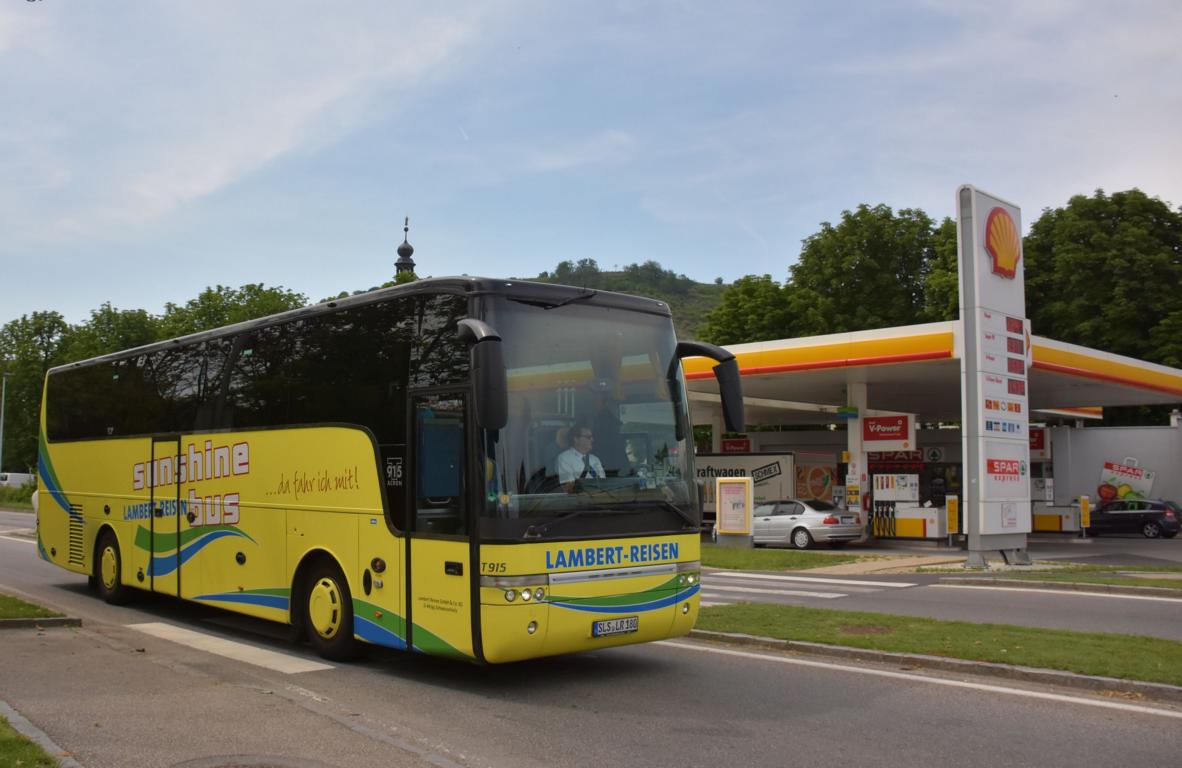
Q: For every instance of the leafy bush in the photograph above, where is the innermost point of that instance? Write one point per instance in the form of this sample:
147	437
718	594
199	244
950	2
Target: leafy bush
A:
17	495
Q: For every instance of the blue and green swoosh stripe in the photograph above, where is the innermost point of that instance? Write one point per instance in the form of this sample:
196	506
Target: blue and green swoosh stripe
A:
181	549
661	596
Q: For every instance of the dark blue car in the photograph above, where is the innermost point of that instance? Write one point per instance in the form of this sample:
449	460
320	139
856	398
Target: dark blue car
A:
1149	517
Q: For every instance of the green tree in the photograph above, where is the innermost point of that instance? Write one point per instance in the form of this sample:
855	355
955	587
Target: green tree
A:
109	330
584	273
1104	272
868	271
219	306
754	308
941	286
29	346
874	269
1166	338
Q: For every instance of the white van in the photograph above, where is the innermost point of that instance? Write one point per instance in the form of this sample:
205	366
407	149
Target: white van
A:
15	479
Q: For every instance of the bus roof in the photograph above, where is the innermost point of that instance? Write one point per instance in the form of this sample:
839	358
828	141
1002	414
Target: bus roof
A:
473	286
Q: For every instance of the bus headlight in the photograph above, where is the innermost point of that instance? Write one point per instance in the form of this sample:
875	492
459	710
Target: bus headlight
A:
528	588
688	574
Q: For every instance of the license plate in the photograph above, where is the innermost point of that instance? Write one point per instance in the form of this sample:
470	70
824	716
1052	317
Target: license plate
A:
615	626
848	519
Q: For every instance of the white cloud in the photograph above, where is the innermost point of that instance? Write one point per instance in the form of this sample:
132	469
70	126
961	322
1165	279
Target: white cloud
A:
607	147
21	28
198	98
1017	99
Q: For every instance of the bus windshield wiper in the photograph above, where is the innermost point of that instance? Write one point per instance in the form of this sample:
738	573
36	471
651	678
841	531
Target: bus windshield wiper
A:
632	499
590	292
687	517
536	531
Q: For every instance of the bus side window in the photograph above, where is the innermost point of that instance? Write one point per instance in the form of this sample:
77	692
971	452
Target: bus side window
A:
439	461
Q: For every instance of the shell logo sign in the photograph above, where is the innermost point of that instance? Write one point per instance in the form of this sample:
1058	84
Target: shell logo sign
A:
1002	243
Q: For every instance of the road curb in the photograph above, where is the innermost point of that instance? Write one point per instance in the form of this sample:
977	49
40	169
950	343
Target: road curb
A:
34	734
55	621
1063	586
1108	685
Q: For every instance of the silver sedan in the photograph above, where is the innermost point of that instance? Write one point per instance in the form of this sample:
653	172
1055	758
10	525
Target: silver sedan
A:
800	523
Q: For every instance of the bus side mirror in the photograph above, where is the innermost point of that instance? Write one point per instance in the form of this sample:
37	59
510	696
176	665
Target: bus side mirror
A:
489	380
727	375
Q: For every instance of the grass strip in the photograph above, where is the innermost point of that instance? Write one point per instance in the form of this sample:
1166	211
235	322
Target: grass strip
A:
1099	578
1129	657
1165	577
735	559
16	750
11	608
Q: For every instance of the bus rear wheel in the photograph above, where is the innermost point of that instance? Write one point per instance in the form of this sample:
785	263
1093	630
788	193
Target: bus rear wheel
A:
328	612
108	570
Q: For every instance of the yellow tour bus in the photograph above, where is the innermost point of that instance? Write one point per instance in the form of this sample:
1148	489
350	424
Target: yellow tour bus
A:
401	467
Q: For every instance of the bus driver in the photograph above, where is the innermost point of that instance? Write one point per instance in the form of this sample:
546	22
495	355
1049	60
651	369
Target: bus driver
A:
578	462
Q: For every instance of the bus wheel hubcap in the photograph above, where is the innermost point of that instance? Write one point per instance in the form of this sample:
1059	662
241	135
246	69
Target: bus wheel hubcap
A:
324	608
109	568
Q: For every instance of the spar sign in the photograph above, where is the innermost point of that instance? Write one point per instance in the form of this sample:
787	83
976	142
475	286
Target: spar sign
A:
1124	480
1005	470
888	433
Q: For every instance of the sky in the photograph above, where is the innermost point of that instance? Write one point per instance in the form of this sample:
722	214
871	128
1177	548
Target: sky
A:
151	149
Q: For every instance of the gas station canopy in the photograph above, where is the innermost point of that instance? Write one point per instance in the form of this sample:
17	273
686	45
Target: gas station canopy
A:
917	369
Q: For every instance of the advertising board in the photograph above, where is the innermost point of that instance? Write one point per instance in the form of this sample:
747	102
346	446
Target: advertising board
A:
733	495
1005	471
816	481
1040	444
1124	480
888	433
736	445
892	487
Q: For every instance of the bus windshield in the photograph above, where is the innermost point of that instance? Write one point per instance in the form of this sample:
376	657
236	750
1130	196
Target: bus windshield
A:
591	447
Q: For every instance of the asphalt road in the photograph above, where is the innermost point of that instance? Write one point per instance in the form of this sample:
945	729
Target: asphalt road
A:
925	595
114	695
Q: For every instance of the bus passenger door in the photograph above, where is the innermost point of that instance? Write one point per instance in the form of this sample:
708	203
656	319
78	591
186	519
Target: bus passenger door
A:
439	593
157	545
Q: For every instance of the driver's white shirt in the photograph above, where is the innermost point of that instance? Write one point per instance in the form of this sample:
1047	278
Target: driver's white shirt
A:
569	465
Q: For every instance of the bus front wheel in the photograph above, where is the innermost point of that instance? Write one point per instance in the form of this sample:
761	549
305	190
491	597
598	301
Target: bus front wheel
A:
108	570
328	612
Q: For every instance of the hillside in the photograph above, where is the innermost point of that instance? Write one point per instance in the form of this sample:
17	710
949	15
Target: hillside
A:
689	300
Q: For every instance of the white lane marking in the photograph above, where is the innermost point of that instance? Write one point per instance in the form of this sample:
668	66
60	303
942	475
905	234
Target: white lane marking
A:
14	538
707	604
1062	592
930	680
260	657
789	592
814	579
